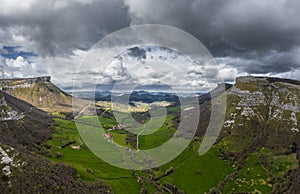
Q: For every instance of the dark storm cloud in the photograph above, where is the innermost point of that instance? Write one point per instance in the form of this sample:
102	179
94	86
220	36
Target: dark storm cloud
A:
273	62
261	24
254	36
232	24
195	17
59	27
259	36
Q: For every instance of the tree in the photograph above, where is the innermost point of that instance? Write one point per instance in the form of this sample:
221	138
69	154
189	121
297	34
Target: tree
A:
294	147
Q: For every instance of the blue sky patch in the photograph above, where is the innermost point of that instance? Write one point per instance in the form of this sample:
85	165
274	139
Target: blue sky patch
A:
11	52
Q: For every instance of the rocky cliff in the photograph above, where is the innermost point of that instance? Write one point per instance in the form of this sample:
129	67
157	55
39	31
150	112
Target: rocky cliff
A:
38	91
261	135
6	112
264	110
24	132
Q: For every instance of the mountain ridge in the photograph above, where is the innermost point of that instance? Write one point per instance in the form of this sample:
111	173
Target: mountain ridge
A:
38	91
24	166
266	78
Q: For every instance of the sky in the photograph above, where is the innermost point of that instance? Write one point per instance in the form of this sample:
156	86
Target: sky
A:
245	37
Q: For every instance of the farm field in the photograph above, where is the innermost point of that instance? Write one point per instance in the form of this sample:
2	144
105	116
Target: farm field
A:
208	170
188	172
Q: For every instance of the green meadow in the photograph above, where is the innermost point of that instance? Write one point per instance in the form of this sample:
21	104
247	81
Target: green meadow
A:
207	170
189	172
89	166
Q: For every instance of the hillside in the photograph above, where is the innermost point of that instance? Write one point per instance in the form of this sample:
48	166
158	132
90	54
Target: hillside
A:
267	109
24	131
39	92
7	113
260	136
257	150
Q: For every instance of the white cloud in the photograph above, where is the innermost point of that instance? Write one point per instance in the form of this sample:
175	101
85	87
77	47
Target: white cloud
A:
292	74
15	6
254	37
61	69
18	68
160	66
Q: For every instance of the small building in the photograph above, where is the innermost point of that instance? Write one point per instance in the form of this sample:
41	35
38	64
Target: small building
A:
119	126
108	137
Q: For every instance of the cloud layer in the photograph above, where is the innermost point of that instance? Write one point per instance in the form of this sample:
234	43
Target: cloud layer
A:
245	37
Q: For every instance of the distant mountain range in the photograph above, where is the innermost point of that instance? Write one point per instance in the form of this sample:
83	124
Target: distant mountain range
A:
142	96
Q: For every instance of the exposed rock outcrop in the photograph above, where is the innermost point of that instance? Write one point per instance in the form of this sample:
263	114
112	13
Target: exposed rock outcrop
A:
38	91
266	106
6	112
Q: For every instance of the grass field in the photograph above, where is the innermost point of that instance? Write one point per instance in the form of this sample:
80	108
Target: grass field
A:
160	136
89	166
197	174
252	178
208	170
280	164
255	177
191	172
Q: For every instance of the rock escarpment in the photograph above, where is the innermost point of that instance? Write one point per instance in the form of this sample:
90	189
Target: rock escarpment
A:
39	92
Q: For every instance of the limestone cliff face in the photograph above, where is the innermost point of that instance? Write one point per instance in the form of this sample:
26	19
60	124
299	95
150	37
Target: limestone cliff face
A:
251	79
38	91
264	111
10	83
6	112
278	93
22	143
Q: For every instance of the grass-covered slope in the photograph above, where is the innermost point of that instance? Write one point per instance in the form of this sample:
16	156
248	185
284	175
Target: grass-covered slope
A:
261	135
188	173
22	143
39	92
257	150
